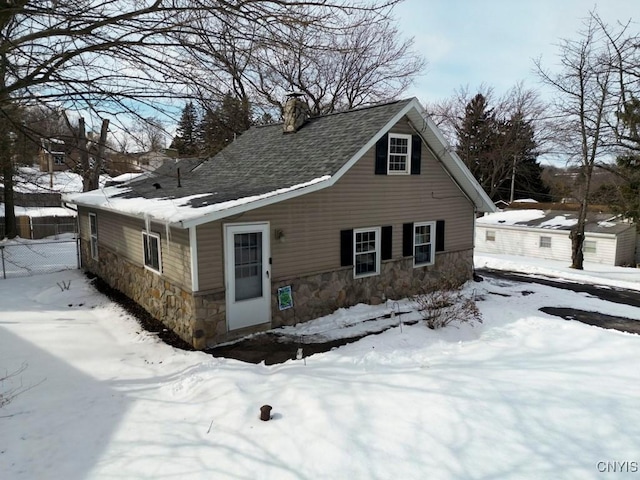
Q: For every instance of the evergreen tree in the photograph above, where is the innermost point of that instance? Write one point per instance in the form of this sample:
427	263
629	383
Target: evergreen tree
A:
500	151
477	136
221	125
526	172
186	139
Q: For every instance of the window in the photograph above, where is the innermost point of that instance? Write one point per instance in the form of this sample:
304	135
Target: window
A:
366	254
545	242
58	158
399	155
423	243
93	235
490	236
589	246
151	245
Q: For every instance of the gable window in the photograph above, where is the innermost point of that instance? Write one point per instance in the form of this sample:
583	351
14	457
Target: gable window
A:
151	245
93	235
423	243
366	252
399	155
589	246
545	242
490	236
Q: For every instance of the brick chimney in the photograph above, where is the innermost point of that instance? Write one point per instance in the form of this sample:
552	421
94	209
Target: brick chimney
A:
296	112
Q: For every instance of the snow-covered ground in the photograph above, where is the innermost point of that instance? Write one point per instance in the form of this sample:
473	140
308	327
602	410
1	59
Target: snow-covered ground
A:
522	395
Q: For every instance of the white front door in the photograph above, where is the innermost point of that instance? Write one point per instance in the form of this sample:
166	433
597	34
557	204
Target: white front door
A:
247	272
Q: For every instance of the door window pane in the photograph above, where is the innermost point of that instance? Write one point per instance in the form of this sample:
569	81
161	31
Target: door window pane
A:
248	265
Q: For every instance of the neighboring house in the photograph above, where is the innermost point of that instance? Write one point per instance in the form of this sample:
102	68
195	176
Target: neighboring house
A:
288	223
53	155
545	234
139	161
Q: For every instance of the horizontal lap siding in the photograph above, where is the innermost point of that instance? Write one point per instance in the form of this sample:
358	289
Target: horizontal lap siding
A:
312	223
123	235
626	247
511	241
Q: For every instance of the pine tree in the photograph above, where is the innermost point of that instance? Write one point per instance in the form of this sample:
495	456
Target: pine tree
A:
499	151
186	139
477	136
221	125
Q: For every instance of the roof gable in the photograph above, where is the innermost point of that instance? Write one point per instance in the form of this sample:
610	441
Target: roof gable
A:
265	166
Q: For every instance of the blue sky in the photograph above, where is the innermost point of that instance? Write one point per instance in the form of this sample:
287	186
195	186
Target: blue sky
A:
471	42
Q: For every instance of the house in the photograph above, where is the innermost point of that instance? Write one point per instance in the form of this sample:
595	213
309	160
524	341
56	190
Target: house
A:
53	155
139	161
289	222
545	234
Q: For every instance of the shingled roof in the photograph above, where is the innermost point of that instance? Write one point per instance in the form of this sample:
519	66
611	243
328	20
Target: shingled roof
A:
264	159
266	162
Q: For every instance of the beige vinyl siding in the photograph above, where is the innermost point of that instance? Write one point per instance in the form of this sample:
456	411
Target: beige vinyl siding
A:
123	236
312	223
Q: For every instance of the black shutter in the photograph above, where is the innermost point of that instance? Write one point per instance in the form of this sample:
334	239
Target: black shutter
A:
407	240
416	154
440	236
346	248
382	147
386	243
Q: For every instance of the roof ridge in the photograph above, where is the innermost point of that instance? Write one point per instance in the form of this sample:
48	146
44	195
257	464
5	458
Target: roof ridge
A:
342	112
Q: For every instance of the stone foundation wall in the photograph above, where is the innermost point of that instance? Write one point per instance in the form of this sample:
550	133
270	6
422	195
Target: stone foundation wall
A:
322	294
200	319
165	301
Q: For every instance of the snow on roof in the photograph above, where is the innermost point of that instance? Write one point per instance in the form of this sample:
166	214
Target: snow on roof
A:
510	217
168	210
525	200
553	220
126	177
558	221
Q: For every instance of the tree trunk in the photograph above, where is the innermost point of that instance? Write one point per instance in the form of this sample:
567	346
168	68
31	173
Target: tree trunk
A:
84	156
6	164
94	183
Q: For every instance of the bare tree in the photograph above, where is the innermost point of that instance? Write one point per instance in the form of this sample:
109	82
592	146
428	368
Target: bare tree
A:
585	106
111	58
344	62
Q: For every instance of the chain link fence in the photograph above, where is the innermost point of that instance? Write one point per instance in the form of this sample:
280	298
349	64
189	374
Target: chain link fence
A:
23	258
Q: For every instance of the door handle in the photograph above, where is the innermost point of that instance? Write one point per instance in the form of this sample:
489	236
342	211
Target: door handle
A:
267	272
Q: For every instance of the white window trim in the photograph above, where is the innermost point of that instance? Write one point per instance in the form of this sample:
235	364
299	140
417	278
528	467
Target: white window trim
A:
144	246
407	169
93	236
540	245
433	244
377	231
490	235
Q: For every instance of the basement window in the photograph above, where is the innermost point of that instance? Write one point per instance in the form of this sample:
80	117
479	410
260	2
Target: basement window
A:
151	245
545	242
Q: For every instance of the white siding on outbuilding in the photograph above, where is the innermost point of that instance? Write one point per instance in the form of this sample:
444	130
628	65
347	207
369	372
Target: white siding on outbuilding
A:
525	241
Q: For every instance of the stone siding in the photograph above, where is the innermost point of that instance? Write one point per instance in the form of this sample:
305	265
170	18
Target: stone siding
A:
201	319
322	294
165	301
